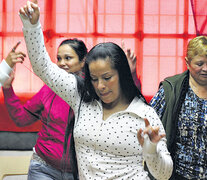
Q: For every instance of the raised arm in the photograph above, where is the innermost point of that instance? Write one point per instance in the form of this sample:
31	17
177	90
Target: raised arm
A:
132	60
61	82
22	115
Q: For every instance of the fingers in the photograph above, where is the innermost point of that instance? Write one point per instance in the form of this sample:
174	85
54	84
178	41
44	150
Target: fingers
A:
128	52
162	136
123	45
156	130
146	122
131	55
140	137
22	12
14	48
35	2
30	8
150	130
17	57
139	132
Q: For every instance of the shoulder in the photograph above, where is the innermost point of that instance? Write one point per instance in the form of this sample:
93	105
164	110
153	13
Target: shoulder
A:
140	108
45	90
176	78
174	82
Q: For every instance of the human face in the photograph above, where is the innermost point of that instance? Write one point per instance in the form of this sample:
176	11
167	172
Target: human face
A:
105	81
198	69
68	60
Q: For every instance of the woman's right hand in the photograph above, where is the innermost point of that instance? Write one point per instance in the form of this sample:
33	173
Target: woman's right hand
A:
31	11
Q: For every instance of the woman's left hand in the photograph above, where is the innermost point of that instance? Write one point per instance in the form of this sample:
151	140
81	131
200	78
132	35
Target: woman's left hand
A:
131	57
153	133
15	57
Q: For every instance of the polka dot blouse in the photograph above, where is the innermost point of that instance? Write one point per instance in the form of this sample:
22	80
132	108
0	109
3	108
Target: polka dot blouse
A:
106	149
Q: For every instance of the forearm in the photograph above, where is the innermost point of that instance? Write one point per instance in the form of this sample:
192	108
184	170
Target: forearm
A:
21	115
61	82
158	159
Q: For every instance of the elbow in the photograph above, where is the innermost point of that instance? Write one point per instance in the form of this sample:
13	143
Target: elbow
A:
19	123
167	173
166	169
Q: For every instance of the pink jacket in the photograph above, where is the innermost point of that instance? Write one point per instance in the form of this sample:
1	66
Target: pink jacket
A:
53	112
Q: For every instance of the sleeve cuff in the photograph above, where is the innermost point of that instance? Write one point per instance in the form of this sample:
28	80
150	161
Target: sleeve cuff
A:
148	146
5	68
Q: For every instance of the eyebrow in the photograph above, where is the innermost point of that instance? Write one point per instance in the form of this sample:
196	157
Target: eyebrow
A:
111	73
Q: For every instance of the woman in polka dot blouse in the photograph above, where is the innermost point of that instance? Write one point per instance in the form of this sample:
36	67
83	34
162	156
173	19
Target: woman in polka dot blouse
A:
115	130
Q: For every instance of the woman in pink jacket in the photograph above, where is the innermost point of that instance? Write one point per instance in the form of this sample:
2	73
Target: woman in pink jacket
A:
50	160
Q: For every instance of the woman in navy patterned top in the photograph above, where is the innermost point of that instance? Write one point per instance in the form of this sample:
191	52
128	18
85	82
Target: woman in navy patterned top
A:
181	103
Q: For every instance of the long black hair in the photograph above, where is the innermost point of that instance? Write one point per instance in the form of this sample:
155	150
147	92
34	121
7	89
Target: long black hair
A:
119	62
69	153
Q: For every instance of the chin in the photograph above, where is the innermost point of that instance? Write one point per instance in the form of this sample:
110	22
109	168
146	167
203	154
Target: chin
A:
107	102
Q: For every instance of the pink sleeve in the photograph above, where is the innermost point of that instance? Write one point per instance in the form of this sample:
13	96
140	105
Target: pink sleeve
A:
26	114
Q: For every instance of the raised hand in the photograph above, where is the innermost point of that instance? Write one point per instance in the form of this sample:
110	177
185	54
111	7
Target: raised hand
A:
132	61
15	57
153	133
131	57
31	11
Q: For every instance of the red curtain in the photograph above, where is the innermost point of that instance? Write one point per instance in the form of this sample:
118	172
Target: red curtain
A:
157	30
200	16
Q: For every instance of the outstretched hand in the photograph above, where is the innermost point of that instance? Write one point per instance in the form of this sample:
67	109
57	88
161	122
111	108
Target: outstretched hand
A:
153	133
15	57
31	11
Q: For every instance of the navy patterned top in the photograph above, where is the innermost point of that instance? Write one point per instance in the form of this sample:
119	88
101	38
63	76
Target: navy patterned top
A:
191	143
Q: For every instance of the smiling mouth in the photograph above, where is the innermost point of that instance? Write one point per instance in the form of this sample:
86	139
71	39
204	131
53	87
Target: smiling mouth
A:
205	75
66	69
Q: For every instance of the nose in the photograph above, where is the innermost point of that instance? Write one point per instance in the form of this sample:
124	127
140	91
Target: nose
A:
205	67
61	62
101	85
